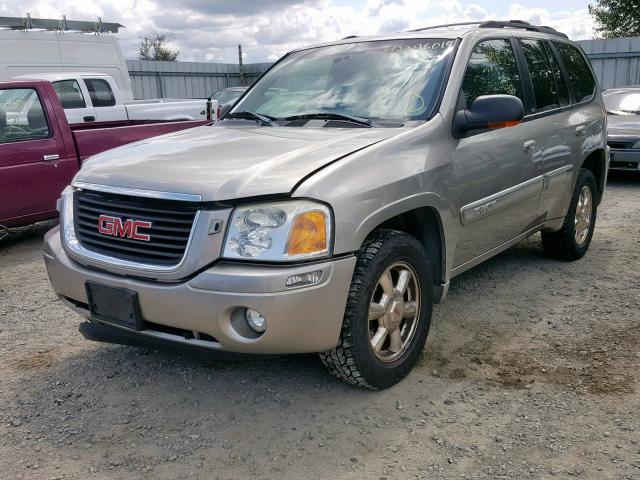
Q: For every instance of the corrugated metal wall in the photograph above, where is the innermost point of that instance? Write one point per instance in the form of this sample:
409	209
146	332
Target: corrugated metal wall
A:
151	79
616	61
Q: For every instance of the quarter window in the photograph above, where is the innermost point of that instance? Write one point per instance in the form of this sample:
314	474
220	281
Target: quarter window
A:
21	116
100	92
578	72
69	93
492	70
541	74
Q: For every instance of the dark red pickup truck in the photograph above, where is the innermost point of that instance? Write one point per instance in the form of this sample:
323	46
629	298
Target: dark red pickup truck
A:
40	152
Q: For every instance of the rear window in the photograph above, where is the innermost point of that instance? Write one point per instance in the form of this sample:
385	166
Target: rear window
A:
69	93
100	92
579	74
21	116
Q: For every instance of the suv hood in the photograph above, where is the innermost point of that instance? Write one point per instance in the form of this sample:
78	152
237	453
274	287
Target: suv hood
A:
226	162
623	126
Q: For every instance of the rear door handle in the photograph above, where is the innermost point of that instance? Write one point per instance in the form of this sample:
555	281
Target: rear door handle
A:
51	158
581	131
89	118
529	146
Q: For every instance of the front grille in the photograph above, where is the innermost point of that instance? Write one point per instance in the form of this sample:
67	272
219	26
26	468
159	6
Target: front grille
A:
171	224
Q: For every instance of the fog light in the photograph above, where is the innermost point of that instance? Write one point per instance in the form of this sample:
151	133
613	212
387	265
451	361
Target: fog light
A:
304	279
256	321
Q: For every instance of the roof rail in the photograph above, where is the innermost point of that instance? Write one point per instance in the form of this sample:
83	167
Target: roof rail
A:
524	25
499	24
58	25
433	27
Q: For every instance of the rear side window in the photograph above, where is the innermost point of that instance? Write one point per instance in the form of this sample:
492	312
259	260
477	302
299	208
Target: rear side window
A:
69	93
561	83
541	73
578	73
492	70
21	116
100	92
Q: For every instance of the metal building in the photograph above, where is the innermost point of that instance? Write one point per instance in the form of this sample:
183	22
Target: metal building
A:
616	61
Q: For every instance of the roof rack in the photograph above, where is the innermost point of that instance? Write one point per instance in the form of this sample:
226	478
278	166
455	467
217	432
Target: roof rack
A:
501	24
58	25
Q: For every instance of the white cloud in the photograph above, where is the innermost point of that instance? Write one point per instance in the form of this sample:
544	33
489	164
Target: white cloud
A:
210	30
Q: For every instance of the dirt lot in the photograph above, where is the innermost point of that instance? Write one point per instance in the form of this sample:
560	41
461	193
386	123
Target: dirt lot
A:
531	372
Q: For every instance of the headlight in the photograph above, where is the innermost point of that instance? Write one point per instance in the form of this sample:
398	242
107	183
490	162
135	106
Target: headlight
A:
277	232
636	145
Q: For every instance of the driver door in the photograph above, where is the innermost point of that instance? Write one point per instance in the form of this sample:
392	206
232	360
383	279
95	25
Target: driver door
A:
496	173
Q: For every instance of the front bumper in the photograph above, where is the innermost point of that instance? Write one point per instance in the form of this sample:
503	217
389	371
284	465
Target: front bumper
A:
628	160
298	320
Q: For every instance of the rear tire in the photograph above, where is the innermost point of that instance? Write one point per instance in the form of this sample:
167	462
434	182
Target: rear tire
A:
385	325
572	241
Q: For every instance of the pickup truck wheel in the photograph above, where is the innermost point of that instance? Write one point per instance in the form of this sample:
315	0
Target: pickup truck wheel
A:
572	241
388	313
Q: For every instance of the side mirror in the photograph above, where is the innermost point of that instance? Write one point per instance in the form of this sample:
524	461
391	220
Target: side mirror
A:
488	112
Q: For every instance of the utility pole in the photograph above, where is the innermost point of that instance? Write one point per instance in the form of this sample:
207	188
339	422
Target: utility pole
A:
240	64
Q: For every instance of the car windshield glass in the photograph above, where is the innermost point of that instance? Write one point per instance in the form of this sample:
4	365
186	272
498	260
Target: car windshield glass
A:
622	103
393	81
224	97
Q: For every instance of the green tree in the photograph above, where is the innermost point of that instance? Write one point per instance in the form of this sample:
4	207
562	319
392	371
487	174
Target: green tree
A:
617	18
157	46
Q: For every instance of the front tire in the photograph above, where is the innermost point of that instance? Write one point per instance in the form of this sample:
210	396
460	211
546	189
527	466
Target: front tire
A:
388	313
572	241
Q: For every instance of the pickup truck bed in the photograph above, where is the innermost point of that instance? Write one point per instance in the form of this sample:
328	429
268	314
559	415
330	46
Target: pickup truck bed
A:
40	154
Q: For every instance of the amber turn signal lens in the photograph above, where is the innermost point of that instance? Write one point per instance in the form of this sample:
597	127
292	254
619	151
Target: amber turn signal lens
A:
308	234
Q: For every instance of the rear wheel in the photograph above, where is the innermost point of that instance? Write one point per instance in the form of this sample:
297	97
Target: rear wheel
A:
572	241
388	313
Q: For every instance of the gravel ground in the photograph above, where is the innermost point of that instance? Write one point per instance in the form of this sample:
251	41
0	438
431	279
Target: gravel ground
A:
530	372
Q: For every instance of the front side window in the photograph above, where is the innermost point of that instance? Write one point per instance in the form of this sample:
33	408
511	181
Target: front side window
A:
100	92
69	93
492	70
578	72
392	81
21	116
542	76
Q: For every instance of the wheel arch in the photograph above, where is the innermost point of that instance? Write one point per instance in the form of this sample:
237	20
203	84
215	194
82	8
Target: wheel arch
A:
425	224
596	162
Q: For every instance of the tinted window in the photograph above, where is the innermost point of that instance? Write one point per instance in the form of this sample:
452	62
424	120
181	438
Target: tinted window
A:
579	75
492	70
21	115
561	83
544	85
100	92
69	93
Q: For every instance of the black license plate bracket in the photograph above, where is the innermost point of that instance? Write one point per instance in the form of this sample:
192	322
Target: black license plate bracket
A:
119	306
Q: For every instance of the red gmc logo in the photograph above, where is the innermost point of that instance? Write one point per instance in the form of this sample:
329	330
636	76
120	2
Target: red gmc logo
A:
115	227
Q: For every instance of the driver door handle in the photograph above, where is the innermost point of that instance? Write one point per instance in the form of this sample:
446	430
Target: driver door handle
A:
51	158
529	146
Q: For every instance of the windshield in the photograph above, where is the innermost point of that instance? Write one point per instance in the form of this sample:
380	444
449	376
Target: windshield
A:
393	81
622	103
227	96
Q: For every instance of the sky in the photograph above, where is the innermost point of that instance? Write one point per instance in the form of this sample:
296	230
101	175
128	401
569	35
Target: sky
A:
210	30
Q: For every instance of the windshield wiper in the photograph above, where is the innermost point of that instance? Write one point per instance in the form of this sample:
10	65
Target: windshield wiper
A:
265	119
365	122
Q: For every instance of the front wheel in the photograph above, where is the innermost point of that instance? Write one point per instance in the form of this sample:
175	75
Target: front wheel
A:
572	241
388	313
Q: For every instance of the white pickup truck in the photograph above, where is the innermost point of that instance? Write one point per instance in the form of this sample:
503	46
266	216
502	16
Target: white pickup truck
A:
95	97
